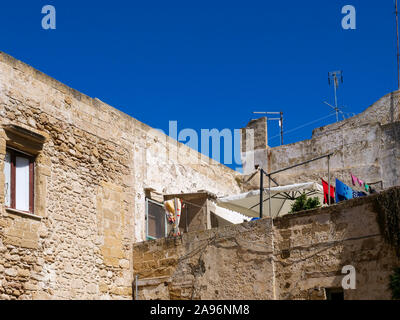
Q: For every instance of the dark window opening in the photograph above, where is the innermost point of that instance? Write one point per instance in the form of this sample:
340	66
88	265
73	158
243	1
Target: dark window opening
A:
334	294
155	220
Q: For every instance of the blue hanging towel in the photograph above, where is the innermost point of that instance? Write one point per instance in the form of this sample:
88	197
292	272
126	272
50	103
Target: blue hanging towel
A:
358	194
343	191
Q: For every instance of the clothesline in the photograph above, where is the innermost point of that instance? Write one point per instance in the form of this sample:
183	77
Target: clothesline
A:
344	192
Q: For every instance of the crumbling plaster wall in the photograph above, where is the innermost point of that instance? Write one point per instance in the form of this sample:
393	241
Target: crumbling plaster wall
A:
296	258
89	189
365	145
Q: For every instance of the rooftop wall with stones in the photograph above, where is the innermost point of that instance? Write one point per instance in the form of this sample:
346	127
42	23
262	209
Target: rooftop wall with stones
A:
90	178
366	145
295	258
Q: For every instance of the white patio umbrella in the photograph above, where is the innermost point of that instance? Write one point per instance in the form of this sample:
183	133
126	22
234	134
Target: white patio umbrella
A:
282	197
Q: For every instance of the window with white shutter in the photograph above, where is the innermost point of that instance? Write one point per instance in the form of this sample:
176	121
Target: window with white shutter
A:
19	171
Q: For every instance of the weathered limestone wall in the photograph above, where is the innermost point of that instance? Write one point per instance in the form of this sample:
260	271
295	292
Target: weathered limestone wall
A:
295	259
231	262
90	176
389	156
366	145
312	248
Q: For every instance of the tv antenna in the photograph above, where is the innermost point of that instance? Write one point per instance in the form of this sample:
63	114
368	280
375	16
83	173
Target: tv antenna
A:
335	77
337	111
280	119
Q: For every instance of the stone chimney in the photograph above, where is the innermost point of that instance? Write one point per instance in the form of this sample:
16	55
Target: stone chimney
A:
254	144
260	135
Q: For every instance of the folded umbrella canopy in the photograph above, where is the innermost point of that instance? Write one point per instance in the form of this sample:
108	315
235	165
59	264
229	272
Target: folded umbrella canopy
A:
282	197
226	216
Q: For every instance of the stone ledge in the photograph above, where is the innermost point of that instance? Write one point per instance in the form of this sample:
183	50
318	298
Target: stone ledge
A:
153	281
27	133
24	214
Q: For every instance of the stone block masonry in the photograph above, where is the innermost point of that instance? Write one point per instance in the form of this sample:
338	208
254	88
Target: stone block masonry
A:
297	257
91	172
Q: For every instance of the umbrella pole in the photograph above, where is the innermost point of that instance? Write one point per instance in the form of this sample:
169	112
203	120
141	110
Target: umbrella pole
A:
261	191
329	182
269	194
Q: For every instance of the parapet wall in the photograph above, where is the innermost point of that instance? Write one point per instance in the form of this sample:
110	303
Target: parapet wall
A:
296	258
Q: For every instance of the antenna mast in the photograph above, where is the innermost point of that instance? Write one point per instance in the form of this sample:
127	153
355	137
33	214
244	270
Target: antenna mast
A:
335	76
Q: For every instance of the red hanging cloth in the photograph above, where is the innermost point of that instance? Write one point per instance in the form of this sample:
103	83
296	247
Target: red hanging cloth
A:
326	192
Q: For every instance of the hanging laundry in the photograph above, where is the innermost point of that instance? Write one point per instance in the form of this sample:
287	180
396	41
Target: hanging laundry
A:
326	192
173	214
367	188
343	191
173	210
354	179
170	211
371	190
358	194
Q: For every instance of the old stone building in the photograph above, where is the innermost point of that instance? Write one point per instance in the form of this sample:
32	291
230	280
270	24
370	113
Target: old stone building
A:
80	176
92	167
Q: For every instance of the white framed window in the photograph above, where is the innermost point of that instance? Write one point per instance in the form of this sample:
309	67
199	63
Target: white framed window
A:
19	175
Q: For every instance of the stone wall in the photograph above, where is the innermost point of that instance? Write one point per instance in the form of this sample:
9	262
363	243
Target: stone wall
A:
312	248
91	172
232	262
296	258
365	145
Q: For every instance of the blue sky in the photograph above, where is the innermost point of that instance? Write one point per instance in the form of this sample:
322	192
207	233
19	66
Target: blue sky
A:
210	64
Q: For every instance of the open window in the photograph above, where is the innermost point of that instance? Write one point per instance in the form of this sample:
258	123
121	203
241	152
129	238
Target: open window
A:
19	181
156	221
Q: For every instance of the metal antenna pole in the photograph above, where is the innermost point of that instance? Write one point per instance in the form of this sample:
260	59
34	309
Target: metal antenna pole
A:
334	88
334	76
